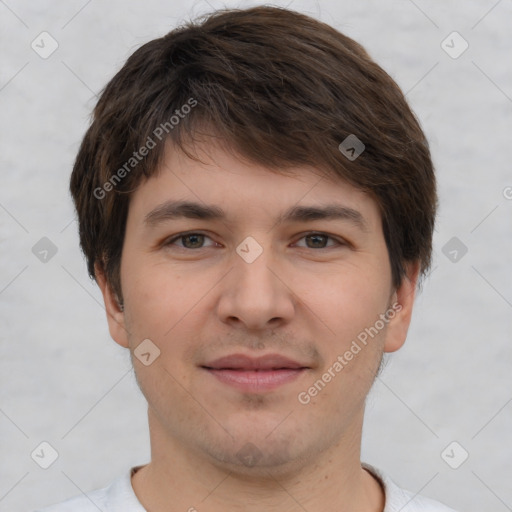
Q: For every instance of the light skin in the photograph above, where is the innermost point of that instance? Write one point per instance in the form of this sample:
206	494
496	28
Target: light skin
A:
314	288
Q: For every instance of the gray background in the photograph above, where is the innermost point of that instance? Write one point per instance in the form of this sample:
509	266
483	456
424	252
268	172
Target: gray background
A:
64	381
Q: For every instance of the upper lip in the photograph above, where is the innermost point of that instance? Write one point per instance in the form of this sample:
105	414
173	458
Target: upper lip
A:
244	362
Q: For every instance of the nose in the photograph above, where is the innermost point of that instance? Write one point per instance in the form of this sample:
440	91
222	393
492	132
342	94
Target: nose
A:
256	295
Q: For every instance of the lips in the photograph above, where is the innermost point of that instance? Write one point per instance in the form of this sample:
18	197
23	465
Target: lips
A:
255	375
242	362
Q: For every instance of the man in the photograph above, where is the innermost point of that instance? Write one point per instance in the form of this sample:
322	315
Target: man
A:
256	201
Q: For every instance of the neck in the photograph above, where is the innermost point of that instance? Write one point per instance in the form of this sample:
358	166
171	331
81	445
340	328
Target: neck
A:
333	479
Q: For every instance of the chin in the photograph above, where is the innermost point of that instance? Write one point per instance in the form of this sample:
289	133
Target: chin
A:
257	449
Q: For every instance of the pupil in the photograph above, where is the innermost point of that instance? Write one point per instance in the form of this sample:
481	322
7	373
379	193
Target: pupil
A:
316	237
187	237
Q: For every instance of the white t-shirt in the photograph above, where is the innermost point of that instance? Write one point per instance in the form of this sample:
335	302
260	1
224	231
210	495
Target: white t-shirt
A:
120	497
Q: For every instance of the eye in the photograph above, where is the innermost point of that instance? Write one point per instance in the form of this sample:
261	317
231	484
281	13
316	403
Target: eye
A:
196	240
189	240
319	240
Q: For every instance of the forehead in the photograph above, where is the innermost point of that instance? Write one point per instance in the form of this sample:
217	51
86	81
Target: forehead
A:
226	187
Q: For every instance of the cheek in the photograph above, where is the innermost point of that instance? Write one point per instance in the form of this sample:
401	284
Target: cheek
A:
158	309
152	300
164	306
349	341
343	303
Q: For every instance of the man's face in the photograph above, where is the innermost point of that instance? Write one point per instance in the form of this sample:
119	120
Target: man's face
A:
250	284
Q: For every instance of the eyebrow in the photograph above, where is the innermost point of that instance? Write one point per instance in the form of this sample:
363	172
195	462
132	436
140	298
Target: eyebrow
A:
171	210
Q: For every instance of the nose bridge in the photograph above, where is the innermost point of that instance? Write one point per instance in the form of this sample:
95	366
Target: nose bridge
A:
253	266
254	293
253	271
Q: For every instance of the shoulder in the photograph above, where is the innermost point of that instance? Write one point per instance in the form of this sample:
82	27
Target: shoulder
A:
398	499
116	497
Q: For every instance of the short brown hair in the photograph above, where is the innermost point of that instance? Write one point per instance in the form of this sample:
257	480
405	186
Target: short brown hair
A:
280	89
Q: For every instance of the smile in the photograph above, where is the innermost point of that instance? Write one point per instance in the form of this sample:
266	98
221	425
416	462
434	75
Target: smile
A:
254	381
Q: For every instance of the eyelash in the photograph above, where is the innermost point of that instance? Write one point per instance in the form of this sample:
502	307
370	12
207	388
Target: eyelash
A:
171	241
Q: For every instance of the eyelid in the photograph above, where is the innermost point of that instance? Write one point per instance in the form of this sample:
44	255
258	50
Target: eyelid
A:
339	241
178	236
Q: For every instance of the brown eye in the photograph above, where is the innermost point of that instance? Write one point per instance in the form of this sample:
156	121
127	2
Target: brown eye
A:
319	241
188	241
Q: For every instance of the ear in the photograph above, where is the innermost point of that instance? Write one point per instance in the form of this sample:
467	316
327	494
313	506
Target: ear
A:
402	303
115	315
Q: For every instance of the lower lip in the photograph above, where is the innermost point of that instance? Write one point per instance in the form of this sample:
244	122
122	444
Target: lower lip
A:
255	381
